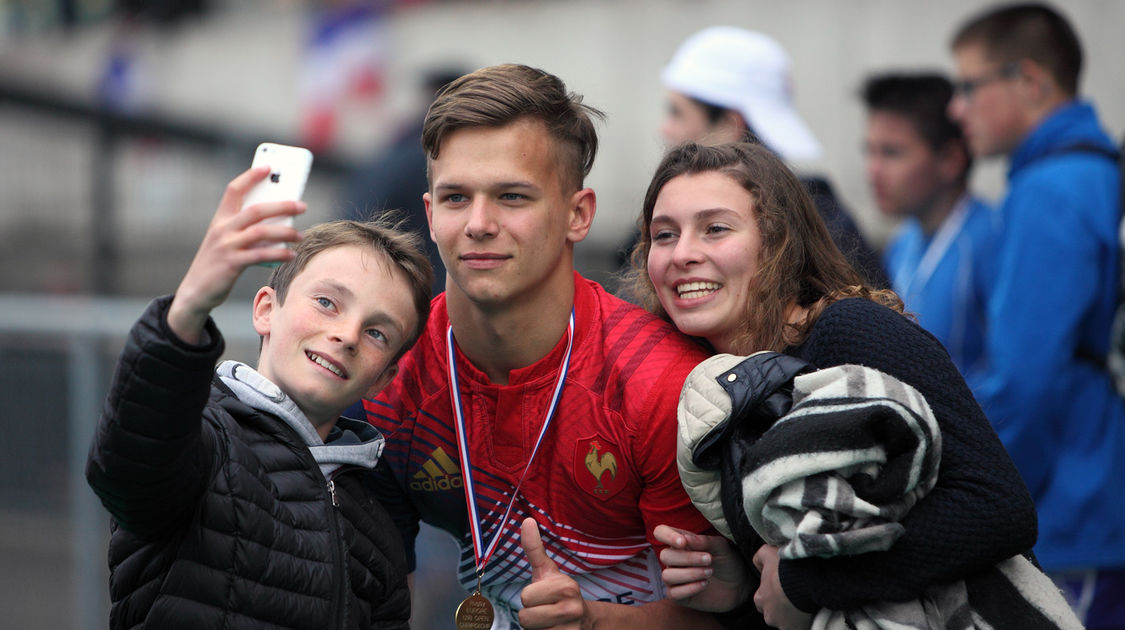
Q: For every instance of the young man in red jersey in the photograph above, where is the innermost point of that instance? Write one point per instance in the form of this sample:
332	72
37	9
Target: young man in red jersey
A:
563	397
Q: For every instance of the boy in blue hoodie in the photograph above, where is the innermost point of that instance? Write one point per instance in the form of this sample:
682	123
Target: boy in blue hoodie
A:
239	496
1046	387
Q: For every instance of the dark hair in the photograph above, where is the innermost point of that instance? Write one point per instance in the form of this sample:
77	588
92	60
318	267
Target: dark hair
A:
923	99
714	113
798	262
402	249
1027	31
498	95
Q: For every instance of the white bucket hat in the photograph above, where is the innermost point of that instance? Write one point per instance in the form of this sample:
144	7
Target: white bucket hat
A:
748	72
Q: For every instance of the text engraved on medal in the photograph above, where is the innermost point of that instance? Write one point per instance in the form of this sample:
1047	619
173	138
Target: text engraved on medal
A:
475	613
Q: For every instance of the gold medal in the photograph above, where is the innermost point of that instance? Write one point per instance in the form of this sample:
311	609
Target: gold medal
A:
475	613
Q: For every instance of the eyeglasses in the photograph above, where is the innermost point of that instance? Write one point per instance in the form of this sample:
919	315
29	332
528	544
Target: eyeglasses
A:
965	88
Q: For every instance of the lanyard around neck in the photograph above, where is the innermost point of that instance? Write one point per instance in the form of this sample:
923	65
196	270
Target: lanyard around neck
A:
482	552
910	280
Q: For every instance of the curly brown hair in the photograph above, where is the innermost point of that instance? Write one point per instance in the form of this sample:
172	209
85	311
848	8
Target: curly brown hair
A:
797	264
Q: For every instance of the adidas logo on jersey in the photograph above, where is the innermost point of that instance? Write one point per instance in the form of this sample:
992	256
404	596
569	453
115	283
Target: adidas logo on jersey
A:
437	474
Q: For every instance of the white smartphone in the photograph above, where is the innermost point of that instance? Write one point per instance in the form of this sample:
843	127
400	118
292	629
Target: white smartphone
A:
289	171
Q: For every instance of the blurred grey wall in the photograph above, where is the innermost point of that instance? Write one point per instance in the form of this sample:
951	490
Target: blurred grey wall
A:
239	67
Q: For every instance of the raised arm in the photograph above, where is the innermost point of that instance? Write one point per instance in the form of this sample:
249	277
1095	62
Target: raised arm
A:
234	241
150	457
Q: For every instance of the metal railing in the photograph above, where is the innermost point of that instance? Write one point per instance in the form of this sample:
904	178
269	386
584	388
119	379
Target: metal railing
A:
87	333
65	163
109	131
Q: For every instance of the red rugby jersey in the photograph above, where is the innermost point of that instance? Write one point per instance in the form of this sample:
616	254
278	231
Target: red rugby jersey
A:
604	477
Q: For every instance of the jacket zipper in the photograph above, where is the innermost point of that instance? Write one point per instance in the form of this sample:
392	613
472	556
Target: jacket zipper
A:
340	612
341	555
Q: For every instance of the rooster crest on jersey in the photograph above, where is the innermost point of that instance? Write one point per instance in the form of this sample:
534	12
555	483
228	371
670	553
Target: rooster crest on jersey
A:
596	467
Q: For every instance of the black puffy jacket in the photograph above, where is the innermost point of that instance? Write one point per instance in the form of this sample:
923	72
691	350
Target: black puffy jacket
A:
221	516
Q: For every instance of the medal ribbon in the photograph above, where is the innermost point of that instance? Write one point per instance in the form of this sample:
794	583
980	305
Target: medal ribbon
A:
482	552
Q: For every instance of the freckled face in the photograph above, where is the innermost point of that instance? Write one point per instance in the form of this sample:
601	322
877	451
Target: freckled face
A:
704	256
334	339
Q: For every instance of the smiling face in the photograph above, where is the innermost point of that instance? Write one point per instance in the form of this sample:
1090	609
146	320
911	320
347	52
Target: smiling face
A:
335	337
500	216
703	261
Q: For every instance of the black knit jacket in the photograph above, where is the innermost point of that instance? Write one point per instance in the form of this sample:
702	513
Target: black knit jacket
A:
221	516
979	513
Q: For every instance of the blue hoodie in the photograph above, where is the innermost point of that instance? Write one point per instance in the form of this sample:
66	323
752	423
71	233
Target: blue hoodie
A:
1053	301
945	277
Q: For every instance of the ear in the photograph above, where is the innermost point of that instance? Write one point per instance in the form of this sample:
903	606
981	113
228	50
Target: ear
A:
264	303
952	160
583	205
1040	90
730	127
427	199
383	380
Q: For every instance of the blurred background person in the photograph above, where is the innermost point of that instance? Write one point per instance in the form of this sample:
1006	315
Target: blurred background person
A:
918	166
395	178
133	65
726	84
1047	388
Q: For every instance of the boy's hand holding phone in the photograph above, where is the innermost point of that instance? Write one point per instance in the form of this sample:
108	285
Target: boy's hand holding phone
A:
289	172
235	240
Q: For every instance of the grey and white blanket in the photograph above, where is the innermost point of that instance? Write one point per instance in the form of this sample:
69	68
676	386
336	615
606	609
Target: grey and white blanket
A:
835	476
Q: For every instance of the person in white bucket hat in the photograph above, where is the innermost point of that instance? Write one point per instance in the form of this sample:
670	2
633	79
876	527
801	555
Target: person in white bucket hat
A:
730	84
746	74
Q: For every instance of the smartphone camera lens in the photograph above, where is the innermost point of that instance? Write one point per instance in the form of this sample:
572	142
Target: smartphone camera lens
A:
275	177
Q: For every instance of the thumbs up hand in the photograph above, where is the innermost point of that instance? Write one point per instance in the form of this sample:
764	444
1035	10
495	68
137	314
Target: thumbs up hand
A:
552	600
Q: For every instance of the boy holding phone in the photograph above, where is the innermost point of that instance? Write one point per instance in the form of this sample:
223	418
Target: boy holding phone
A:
239	495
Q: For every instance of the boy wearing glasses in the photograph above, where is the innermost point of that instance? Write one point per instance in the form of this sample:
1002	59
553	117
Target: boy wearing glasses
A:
1046	387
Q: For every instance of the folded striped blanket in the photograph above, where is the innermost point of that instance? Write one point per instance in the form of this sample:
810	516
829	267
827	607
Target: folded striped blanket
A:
835	475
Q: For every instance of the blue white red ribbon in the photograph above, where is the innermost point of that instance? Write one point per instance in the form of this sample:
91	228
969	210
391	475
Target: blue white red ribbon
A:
483	553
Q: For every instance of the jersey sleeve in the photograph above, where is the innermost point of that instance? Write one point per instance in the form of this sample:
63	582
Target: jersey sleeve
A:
663	498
